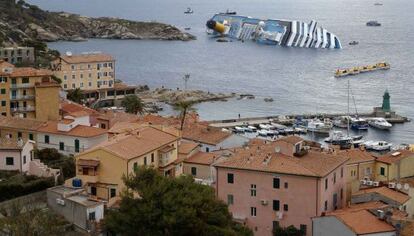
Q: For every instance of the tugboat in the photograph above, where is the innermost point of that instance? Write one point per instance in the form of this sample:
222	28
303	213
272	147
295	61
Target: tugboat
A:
189	11
373	23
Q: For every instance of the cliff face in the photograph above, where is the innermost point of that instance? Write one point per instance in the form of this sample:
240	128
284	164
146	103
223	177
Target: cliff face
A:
20	21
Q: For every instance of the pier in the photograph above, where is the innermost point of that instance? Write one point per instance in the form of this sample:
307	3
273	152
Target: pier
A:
290	119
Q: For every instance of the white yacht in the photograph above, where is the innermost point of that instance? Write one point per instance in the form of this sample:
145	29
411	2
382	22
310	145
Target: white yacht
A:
251	129
379	123
318	126
378	145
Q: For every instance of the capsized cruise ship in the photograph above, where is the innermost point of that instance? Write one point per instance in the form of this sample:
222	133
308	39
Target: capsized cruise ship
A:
274	32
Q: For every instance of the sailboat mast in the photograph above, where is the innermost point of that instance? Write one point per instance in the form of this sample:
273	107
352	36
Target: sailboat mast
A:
348	118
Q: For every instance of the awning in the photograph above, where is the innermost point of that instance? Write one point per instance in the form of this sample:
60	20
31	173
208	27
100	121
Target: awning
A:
90	163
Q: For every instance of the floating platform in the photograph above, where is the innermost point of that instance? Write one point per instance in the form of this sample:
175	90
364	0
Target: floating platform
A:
361	69
271	31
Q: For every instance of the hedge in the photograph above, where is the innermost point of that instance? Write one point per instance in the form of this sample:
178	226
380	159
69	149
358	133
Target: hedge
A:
13	189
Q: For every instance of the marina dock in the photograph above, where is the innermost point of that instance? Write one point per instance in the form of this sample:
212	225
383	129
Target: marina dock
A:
290	119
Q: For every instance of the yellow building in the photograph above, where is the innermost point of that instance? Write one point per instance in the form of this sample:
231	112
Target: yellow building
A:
28	93
100	169
85	71
395	165
361	165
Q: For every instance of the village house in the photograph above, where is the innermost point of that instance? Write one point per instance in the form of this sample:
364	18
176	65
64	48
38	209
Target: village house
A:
17	55
355	220
395	165
15	128
28	93
281	183
15	155
101	168
360	166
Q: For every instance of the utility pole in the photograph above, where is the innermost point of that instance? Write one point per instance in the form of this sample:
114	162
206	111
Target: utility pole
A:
186	78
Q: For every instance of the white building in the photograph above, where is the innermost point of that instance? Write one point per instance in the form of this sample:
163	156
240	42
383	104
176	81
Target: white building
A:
71	135
15	155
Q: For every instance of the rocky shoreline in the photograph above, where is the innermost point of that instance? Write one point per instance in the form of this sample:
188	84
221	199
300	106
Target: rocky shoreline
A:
21	22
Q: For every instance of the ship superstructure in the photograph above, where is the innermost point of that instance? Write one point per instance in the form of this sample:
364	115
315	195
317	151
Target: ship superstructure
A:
274	32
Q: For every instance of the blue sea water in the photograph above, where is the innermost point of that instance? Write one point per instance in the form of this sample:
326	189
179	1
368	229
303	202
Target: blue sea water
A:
300	80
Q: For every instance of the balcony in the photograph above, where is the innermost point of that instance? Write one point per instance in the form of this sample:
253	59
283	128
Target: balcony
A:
23	109
92	179
17	86
22	97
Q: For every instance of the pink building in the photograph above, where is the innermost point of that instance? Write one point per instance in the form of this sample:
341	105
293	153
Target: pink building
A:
281	183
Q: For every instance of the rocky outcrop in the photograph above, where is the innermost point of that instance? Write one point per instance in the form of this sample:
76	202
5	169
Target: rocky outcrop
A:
21	21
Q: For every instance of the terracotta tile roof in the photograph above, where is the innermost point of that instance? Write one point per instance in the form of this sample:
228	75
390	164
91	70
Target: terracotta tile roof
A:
5	64
20	123
363	222
314	163
87	58
128	146
408	229
204	134
25	72
77	131
185	147
115	117
122	127
291	139
395	156
357	156
201	158
386	192
75	109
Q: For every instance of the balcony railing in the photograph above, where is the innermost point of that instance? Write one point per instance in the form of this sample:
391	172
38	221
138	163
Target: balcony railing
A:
66	148
22	97
16	86
88	178
23	109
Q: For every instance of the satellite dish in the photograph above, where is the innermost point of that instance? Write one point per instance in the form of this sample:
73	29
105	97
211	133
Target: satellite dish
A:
406	186
399	186
277	149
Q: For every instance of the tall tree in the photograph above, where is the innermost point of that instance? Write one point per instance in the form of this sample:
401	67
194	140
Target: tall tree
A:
133	104
170	206
75	95
184	107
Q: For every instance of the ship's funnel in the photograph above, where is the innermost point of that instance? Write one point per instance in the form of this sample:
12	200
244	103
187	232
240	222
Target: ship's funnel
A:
214	25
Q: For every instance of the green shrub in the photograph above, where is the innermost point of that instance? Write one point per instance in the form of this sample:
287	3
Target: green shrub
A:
20	185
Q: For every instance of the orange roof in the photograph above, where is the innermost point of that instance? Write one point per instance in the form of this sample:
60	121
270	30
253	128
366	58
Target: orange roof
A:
204	134
292	139
26	72
86	58
264	158
202	158
408	229
20	123
75	109
363	222
122	127
395	156
357	156
144	140
386	192
78	131
185	147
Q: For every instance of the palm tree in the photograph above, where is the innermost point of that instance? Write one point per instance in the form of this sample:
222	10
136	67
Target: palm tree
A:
133	104
76	95
184	107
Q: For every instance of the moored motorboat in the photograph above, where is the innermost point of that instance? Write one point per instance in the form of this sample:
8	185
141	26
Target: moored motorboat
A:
379	123
251	129
341	122
239	129
358	123
262	132
318	126
337	137
189	11
378	145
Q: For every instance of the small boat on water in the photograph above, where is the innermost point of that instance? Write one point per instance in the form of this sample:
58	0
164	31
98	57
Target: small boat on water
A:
378	145
262	132
268	100
228	12
239	129
189	11
187	28
373	23
358	123
378	4
251	129
337	137
341	122
318	126
361	69
265	126
352	43
379	123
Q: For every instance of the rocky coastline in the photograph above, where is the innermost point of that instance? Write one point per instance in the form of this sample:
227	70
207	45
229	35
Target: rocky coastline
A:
21	22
